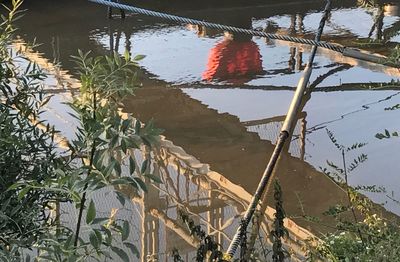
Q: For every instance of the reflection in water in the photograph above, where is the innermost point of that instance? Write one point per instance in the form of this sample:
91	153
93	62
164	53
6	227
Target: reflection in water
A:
380	10
236	138
234	60
378	24
208	197
115	38
187	184
391	9
296	59
173	43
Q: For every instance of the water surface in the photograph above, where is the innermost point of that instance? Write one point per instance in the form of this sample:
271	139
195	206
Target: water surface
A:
221	99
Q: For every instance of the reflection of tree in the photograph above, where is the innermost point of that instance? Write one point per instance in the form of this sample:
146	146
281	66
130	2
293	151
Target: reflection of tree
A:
115	38
295	59
378	25
368	3
379	10
110	12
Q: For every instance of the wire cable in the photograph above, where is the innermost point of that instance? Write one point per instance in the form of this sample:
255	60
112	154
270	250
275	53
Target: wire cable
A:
180	19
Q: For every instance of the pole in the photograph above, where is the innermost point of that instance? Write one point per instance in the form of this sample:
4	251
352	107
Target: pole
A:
284	134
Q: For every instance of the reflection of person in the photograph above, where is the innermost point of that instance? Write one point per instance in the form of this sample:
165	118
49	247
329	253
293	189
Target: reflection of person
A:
235	60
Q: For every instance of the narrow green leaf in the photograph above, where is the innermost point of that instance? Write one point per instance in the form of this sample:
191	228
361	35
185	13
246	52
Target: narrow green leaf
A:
14	186
127	56
68	242
133	248
23	192
98	235
93	240
125	231
119	181
144	166
117	168
120	197
139	57
109	169
141	184
154	178
99	220
132	165
121	253
108	239
113	141
91	213
124	146
137	127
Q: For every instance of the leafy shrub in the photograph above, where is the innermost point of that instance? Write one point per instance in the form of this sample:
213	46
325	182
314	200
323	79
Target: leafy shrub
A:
35	178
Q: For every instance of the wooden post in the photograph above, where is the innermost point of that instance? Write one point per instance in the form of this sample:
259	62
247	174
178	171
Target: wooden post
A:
122	12
109	12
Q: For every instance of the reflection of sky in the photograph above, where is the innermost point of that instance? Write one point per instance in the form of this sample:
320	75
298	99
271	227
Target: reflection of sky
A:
56	111
382	165
173	54
354	20
342	19
178	56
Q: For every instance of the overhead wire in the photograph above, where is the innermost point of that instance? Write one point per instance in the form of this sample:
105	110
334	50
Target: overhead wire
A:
345	51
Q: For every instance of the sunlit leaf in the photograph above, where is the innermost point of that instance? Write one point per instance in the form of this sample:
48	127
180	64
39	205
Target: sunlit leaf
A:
139	57
127	56
23	192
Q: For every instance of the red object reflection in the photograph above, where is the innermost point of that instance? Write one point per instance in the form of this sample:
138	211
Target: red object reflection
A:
233	61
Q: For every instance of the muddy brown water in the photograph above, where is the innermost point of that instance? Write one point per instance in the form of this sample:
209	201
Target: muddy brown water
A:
222	98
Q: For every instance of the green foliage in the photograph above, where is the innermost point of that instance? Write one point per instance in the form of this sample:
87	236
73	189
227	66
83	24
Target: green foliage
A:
279	232
394	56
395	107
27	149
340	172
387	134
368	237
210	250
35	179
208	246
104	142
368	3
381	243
